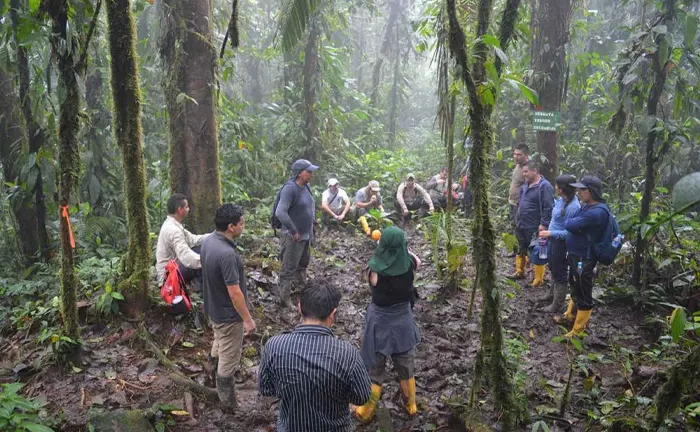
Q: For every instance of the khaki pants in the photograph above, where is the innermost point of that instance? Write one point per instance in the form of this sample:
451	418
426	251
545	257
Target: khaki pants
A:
228	341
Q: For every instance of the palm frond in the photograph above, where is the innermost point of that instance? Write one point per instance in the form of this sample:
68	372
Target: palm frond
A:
295	17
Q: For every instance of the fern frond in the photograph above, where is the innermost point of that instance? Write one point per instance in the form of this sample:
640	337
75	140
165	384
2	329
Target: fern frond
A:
295	17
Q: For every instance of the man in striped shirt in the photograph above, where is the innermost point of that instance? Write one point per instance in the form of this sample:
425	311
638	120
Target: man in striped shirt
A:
314	374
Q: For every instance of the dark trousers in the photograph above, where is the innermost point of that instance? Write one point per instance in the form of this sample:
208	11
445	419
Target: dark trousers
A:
467	200
418	205
558	264
513	218
581	286
524	236
404	365
188	274
295	258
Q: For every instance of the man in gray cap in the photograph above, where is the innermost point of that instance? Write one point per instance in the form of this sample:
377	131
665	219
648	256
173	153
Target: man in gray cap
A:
366	199
296	212
412	196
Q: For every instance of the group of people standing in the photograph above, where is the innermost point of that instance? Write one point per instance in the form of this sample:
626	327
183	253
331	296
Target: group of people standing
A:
319	380
554	227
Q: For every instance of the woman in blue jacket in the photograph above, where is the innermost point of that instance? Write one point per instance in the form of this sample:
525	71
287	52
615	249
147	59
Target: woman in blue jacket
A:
565	207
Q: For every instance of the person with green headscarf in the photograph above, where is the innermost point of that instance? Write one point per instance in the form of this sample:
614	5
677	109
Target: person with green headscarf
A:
390	330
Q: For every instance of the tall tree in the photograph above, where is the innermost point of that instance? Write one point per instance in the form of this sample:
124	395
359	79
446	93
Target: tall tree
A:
190	60
126	97
384	50
35	133
482	97
312	71
551	34
13	142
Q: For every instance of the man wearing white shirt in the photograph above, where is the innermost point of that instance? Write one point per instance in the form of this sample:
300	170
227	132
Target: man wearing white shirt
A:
335	202
175	242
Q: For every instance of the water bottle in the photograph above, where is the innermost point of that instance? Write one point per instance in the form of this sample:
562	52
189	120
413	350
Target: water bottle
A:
617	241
543	249
579	267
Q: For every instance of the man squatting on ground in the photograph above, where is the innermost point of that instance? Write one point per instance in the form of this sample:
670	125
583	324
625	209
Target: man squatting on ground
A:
175	242
367	198
315	375
296	212
411	196
225	298
335	202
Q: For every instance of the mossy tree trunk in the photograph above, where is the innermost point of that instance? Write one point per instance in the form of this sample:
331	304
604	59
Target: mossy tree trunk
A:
13	142
490	356
551	26
394	11
312	72
126	97
190	61
68	157
35	133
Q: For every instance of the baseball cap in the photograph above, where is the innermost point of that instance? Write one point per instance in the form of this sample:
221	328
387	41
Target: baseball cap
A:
302	164
332	181
374	185
410	176
591	183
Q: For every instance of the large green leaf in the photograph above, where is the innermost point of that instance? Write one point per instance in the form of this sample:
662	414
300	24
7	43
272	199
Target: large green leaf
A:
295	17
529	93
689	30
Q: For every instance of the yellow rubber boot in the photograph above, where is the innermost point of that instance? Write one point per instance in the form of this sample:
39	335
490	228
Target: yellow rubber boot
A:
408	389
539	275
582	318
365	413
364	225
568	316
519	268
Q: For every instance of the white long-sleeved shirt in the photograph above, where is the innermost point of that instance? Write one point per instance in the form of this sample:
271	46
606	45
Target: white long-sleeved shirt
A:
175	242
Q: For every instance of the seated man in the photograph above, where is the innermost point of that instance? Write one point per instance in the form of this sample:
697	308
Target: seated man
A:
314	374
437	187
366	199
412	196
335	202
175	242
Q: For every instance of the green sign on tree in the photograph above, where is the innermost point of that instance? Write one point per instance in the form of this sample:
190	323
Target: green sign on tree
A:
545	121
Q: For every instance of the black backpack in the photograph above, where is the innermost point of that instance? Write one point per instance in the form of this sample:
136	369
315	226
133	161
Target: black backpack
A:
275	223
604	250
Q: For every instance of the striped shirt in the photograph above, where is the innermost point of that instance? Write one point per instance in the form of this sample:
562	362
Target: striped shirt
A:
315	376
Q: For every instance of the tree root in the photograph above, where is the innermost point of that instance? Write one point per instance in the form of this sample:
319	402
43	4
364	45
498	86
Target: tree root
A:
206	393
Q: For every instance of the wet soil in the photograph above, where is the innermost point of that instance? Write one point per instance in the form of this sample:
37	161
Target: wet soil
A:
118	372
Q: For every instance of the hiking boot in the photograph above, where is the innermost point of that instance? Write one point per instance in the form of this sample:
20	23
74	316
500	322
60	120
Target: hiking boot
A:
558	296
214	363
285	293
582	318
547	298
567	318
227	393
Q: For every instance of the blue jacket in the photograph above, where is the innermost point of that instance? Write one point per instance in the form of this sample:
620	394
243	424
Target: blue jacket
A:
535	207
556	225
590	223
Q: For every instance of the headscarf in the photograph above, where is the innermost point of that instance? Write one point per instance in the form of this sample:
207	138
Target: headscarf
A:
391	256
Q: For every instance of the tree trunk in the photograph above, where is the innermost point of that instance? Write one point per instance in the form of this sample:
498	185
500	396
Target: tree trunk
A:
36	135
659	67
394	10
190	59
69	156
551	25
311	84
393	110
126	97
13	140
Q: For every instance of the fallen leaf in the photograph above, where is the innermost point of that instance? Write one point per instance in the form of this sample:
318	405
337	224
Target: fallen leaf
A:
188	344
532	334
76	369
110	374
97	400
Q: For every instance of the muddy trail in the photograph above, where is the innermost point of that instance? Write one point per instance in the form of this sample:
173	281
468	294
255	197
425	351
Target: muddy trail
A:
119	372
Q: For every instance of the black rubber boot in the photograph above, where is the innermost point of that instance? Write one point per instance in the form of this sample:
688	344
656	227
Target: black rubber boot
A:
549	295
227	393
558	298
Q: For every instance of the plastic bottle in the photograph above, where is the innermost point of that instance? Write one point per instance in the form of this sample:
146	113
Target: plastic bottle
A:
543	249
579	267
617	241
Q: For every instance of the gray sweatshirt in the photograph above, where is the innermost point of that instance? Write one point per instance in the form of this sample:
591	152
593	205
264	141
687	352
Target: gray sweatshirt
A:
296	210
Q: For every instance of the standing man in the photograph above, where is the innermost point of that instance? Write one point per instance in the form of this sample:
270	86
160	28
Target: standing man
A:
175	242
296	212
534	214
437	187
517	180
585	230
335	202
366	199
314	374
225	298
412	196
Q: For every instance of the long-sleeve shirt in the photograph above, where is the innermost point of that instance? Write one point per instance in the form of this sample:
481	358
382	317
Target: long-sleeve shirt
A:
175	242
585	229
404	195
296	210
536	203
556	225
435	185
517	180
315	376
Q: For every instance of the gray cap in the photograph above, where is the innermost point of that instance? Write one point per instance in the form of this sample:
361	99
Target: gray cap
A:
300	165
410	176
374	185
593	184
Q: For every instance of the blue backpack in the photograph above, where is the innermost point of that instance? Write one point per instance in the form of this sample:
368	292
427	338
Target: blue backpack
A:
604	250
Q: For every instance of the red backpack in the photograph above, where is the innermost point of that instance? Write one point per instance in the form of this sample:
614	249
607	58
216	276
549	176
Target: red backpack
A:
173	291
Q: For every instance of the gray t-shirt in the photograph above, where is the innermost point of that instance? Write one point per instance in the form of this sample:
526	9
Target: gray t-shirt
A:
296	210
362	196
221	266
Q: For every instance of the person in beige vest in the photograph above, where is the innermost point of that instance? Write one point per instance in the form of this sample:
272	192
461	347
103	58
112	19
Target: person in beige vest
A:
411	196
